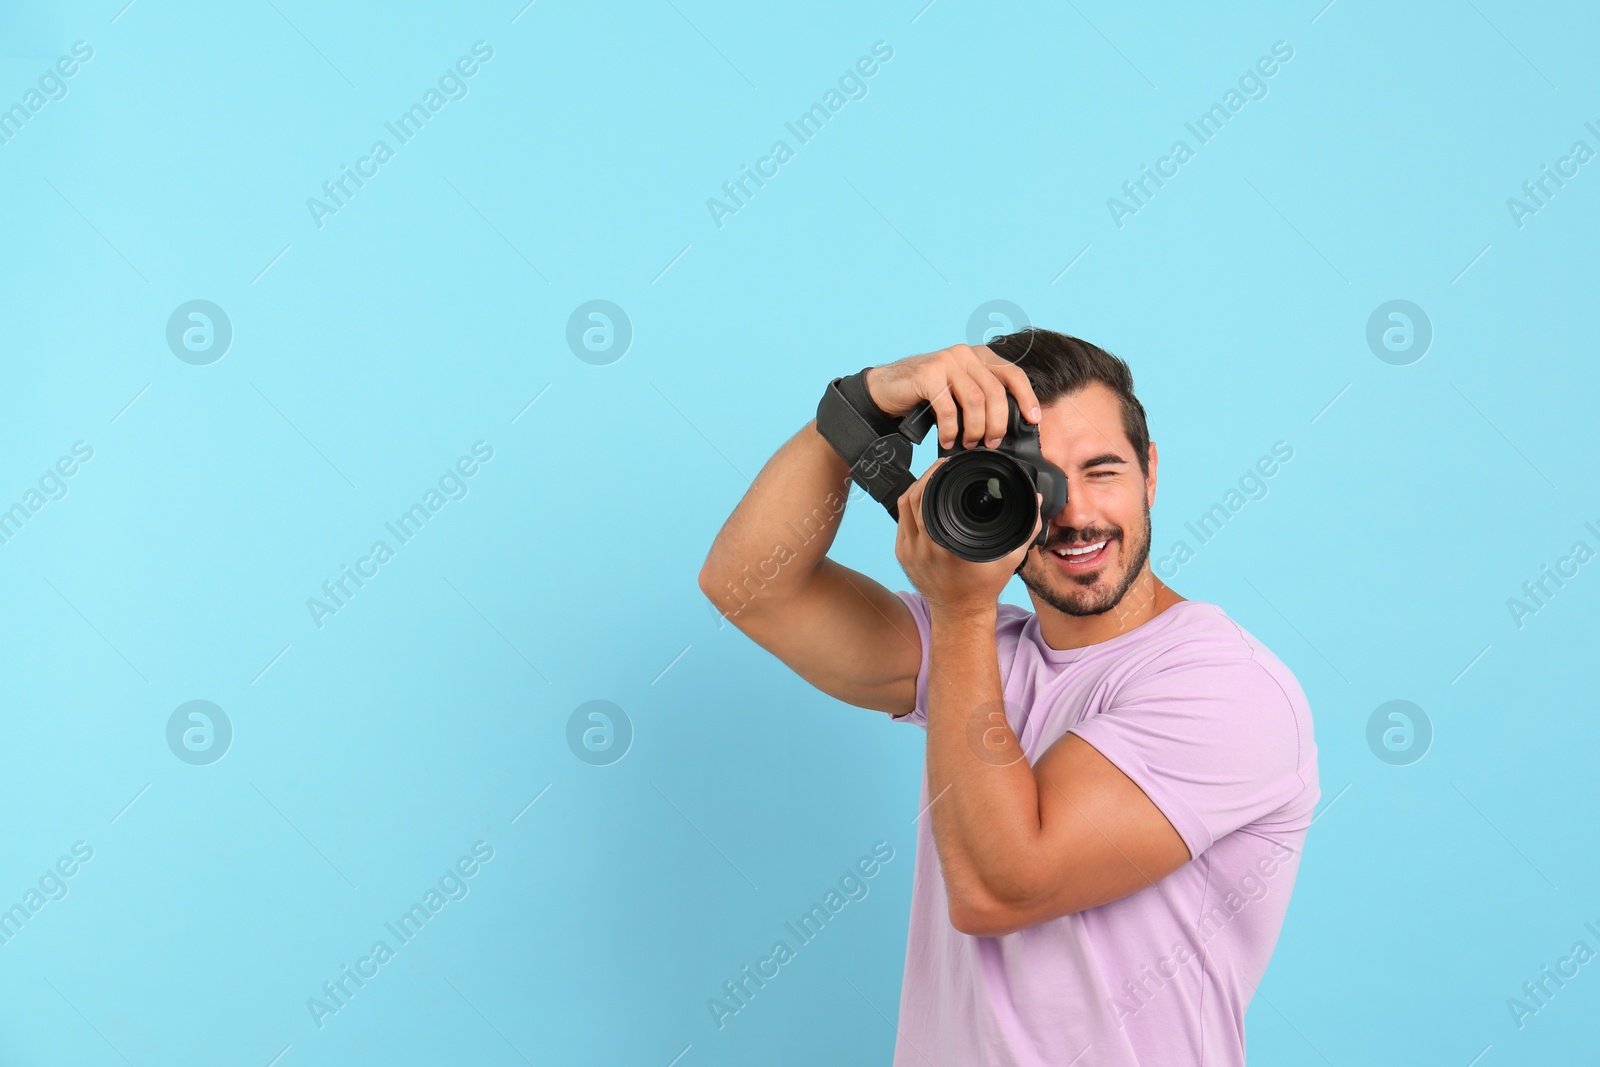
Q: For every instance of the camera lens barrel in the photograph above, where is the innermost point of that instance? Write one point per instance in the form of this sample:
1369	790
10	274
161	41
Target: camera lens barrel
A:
980	504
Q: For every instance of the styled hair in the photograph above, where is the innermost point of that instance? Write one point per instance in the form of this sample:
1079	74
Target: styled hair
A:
1058	365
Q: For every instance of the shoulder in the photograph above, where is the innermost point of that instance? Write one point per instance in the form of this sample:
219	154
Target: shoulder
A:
1204	670
1199	633
1209	701
1240	643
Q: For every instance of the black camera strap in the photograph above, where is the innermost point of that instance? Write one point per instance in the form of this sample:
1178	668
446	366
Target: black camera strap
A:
877	445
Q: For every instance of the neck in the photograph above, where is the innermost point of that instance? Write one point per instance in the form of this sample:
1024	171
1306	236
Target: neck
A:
1146	598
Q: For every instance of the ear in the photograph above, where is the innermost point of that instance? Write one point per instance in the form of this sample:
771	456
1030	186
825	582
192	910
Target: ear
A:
1150	482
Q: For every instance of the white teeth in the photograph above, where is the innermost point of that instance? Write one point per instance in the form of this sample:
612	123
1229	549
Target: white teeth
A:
1086	550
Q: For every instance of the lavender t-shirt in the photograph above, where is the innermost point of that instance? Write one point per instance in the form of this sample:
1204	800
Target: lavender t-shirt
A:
1216	731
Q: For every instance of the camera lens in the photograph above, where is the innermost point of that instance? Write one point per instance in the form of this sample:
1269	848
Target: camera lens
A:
980	504
984	500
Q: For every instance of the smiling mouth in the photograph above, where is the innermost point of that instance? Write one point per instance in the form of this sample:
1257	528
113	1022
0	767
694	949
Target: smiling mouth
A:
1079	558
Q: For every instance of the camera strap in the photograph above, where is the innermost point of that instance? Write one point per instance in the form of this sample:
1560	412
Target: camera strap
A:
877	446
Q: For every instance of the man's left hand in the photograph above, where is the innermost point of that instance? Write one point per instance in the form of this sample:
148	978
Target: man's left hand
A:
948	582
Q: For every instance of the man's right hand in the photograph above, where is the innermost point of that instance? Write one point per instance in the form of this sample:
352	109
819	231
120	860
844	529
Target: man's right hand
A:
972	376
837	628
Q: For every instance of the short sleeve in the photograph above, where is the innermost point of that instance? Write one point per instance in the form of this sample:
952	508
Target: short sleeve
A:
1216	743
919	612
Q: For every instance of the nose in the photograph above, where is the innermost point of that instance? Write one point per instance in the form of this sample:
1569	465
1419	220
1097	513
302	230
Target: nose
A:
1079	513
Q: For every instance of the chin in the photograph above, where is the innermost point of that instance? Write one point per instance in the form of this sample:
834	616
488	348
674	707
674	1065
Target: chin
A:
1097	593
1068	595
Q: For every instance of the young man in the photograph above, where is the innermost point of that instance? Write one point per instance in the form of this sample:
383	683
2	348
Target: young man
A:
1118	784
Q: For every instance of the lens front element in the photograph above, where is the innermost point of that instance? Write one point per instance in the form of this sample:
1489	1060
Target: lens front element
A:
980	505
984	500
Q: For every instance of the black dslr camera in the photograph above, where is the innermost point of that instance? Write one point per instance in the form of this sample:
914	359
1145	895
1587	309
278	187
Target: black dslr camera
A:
979	504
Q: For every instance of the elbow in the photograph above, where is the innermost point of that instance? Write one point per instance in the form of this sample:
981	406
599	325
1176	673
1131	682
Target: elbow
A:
985	920
982	914
716	587
994	910
715	575
718	571
707	579
968	920
709	568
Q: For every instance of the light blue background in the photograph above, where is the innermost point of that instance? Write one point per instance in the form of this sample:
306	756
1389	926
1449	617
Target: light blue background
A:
370	353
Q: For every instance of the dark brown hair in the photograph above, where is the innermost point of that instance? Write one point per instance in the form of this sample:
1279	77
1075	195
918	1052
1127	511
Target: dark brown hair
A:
1058	365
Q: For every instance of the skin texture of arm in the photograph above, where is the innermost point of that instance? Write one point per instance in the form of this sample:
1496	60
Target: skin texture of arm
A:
769	574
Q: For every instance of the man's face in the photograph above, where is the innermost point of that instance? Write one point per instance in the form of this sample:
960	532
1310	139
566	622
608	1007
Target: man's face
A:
1108	499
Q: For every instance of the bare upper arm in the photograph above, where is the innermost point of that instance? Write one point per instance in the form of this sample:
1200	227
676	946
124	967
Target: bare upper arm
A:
1100	839
845	634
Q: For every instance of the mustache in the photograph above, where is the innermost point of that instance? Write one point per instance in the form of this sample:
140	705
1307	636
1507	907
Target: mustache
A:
1078	541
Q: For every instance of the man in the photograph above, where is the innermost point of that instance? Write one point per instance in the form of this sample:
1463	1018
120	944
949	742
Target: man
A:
1117	785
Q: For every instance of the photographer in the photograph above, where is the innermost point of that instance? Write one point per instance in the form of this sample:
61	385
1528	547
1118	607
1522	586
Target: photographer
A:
1101	772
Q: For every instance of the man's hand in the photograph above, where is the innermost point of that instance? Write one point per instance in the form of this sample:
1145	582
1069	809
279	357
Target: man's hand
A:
973	376
951	585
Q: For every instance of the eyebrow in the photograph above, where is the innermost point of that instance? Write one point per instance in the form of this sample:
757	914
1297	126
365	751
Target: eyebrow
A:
1106	459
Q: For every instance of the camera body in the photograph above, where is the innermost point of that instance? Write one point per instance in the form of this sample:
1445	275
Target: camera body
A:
979	504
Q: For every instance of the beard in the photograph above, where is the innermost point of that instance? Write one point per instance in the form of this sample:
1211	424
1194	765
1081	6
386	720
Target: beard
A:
1094	593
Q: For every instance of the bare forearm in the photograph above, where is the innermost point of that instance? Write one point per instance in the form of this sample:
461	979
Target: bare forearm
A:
782	528
986	815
